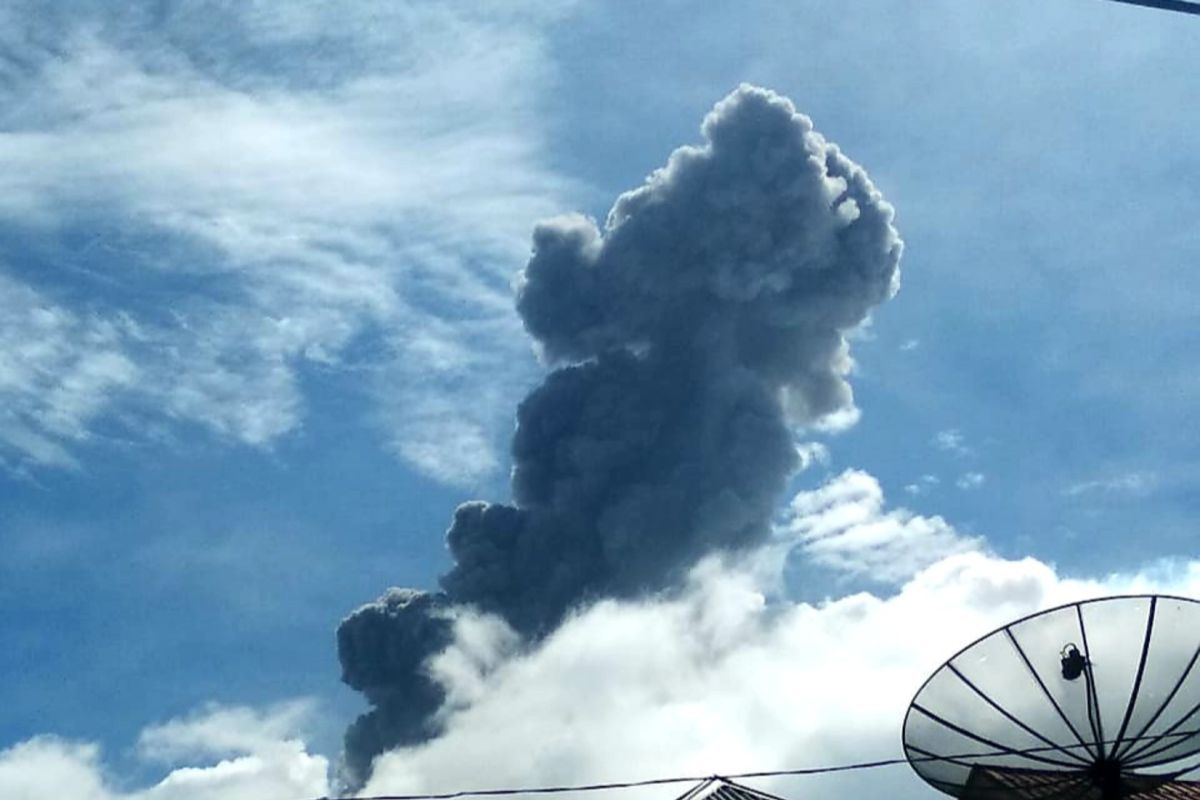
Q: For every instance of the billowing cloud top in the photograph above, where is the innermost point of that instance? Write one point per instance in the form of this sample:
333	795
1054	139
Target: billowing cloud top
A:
758	249
690	336
710	310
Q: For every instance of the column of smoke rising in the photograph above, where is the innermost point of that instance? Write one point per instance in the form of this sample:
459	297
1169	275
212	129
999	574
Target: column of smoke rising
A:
691	334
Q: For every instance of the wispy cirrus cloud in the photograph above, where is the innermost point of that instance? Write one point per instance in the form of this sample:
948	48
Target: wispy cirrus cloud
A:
1128	484
231	207
58	366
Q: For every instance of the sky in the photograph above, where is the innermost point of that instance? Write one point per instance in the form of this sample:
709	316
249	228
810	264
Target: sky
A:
259	337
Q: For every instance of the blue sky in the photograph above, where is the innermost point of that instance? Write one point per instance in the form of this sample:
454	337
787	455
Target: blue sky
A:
257	337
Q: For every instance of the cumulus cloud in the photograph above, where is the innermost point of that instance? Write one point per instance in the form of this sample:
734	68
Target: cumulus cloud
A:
717	678
235	753
207	215
719	675
842	526
691	335
223	732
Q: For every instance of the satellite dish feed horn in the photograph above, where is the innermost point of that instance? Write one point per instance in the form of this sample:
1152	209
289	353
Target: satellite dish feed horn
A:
1094	700
1073	662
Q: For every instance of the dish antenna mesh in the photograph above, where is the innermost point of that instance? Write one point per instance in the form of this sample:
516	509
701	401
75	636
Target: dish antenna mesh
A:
1101	696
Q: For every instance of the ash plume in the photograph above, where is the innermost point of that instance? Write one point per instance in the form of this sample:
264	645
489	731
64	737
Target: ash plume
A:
690	336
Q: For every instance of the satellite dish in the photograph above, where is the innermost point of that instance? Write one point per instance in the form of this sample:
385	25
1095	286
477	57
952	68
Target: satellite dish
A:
1095	699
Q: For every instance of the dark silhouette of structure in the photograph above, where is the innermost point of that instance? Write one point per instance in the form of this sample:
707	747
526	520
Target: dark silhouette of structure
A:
1095	700
992	783
1166	5
718	788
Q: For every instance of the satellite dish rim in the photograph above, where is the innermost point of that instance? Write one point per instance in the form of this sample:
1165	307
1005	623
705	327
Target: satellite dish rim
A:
908	756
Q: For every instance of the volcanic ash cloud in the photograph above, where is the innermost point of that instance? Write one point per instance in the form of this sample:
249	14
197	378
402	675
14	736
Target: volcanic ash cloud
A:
691	336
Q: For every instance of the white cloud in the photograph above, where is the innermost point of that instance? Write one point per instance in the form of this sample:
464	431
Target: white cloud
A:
55	368
274	220
811	453
50	767
970	480
223	731
951	440
718	679
922	485
843	526
1129	484
838	421
259	757
431	398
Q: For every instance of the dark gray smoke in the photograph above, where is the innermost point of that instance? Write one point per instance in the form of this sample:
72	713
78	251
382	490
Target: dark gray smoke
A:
694	332
382	647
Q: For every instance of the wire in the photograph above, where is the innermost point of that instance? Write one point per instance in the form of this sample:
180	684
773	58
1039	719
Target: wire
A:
860	765
1165	5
